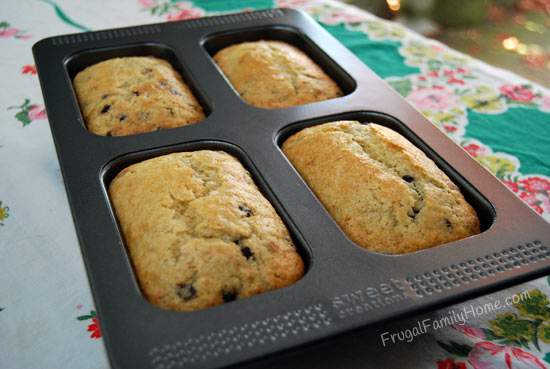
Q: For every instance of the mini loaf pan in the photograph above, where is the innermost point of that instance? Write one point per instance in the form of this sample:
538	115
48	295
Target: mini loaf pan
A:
345	287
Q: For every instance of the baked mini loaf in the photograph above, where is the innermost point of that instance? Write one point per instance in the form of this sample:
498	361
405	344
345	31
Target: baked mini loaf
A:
274	74
130	95
199	232
383	192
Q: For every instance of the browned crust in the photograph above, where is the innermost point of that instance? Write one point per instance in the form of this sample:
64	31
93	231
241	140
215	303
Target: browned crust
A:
131	95
358	171
197	227
274	74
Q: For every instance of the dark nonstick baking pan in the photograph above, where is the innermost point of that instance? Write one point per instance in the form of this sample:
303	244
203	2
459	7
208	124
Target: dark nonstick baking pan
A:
345	287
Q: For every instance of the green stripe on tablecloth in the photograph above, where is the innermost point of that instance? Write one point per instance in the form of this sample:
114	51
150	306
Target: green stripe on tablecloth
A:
522	132
381	56
231	5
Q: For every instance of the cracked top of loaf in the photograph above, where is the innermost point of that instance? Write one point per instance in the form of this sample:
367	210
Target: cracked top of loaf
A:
274	74
199	232
131	95
385	194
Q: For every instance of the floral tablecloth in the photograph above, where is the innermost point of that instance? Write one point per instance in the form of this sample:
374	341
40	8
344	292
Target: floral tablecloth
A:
47	317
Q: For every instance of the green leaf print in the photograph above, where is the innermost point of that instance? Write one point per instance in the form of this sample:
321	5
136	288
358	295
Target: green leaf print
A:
507	325
163	8
23	117
28	112
403	86
4	213
535	307
92	315
491	336
434	64
500	167
384	30
544	332
64	17
531	326
484	99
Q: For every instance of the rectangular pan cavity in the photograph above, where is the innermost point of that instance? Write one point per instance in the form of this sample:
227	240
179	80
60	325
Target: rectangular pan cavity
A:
337	270
484	209
110	171
79	61
217	41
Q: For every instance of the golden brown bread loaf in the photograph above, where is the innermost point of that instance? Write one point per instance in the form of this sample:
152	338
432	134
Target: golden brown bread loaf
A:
384	193
130	95
199	232
274	74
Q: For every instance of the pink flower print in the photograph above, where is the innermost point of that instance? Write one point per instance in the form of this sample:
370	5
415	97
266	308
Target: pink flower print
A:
474	150
27	112
341	17
185	11
511	185
517	93
449	128
450	363
37	112
532	200
455	80
29	69
432	99
354	17
488	355
544	203
8	32
292	3
146	4
94	329
536	184
545	103
535	191
473	332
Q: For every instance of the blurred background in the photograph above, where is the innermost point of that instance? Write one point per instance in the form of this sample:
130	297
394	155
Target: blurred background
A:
511	34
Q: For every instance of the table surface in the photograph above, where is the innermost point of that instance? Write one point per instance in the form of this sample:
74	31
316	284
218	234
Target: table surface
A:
47	316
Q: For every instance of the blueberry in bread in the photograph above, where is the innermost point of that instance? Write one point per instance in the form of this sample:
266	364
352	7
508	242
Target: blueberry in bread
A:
131	95
275	74
199	232
385	194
